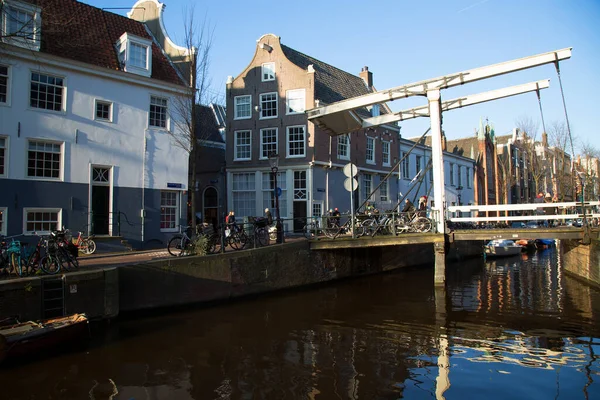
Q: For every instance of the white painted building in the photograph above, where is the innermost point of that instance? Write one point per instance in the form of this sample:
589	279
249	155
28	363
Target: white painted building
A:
84	125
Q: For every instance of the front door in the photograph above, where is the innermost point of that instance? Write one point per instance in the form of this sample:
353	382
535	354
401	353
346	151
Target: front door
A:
100	209
299	215
211	206
100	201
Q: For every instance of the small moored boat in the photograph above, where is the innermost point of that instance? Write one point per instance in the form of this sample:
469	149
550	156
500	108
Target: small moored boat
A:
502	248
30	338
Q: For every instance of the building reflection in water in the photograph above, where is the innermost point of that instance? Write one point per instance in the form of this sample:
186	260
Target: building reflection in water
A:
504	328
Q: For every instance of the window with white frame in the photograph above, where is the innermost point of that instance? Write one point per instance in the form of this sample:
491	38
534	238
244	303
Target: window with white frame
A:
46	92
158	112
384	194
243	145
451	174
468	177
370	151
4	81
3	219
3	146
21	24
300	192
343	147
404	165
418	164
367	186
459	174
296	141
135	54
317	212
268	189
295	101
103	110
169	211
268	142
41	220
138	56
385	153
268	105
242	106
243	190
268	72
44	159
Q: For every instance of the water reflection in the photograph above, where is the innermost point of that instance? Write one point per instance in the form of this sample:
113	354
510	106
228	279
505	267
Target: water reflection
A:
505	328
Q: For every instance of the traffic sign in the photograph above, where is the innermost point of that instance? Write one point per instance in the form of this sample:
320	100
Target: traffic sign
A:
278	192
350	184
350	170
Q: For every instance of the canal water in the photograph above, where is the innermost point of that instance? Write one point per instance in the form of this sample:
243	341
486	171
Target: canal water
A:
513	328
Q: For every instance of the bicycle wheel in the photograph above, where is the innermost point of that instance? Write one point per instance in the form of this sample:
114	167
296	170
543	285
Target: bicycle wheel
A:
17	265
50	265
89	246
70	259
174	247
309	230
262	236
422	225
33	263
332	232
238	240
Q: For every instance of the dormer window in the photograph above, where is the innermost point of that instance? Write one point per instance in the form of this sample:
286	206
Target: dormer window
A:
135	54
21	24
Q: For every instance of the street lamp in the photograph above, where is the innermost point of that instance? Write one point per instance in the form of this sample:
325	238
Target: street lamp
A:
274	162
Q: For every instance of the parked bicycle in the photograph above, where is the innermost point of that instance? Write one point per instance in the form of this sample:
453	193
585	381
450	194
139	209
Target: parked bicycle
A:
311	229
85	244
182	243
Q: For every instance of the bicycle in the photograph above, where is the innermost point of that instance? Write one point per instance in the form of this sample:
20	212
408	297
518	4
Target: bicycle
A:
333	229
85	244
413	222
260	233
311	229
181	244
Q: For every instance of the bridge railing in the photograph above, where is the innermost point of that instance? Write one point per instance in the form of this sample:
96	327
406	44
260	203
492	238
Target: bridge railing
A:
524	212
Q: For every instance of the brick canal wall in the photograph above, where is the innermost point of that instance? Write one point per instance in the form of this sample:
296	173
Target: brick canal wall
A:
582	261
104	292
179	281
95	292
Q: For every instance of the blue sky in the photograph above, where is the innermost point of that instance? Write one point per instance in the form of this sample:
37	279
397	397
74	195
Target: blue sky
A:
405	41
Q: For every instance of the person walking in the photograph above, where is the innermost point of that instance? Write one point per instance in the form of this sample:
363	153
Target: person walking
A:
269	217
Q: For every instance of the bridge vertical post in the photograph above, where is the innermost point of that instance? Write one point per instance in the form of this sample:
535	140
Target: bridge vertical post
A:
440	263
437	158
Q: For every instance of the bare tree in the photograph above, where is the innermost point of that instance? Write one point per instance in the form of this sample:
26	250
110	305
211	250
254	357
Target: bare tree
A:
562	169
198	41
506	176
537	165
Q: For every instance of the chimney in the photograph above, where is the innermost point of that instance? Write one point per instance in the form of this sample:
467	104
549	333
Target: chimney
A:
545	139
367	76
